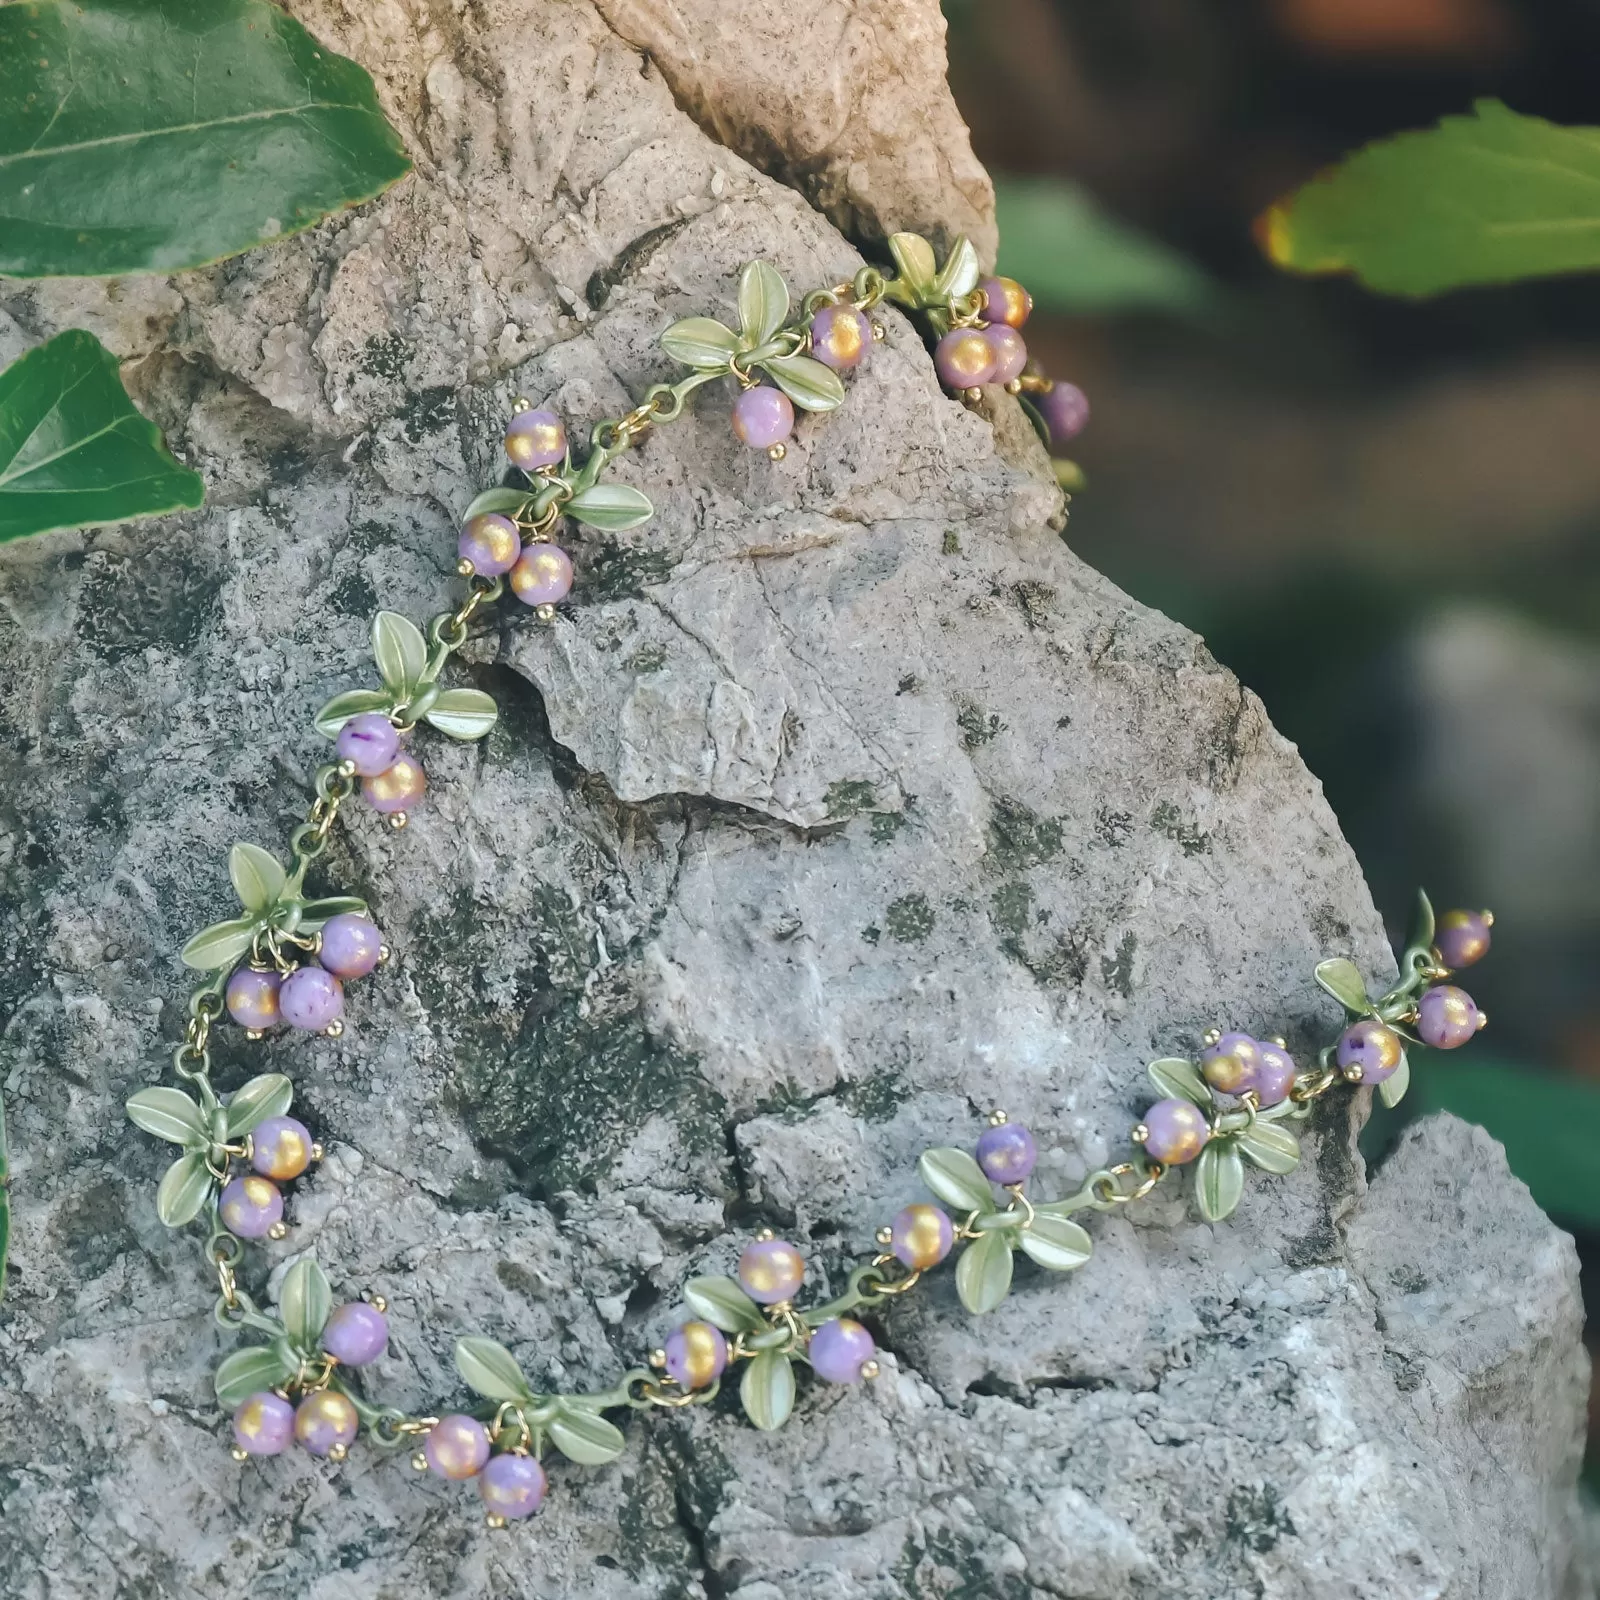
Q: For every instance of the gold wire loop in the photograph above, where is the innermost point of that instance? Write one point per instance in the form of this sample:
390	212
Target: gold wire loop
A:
1106	1186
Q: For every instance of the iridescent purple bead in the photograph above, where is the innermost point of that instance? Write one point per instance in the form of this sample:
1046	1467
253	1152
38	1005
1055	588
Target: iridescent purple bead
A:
456	1447
263	1424
771	1270
1462	937
356	1333
1232	1064
1010	353
921	1236
840	337
1447	1017
512	1486
351	945
839	1349
369	743
280	1148
696	1355
490	543
1065	409
1275	1073
542	575
1007	1153
1176	1131
326	1421
397	788
536	439
964	358
1372	1048
250	1206
763	417
311	999
1005	300
253	999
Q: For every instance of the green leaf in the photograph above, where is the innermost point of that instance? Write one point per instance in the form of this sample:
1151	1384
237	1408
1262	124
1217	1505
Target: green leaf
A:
959	274
155	135
983	1274
1180	1080
767	1390
1393	1088
611	506
462	713
1269	1146
249	1371
917	265
185	1188
956	1178
400	651
1218	1180
221	945
352	703
1488	198
258	880
812	386
314	913
722	1303
304	1303
252	1103
1074	258
508	502
1056	1243
585	1437
763	302
1423	924
1342	979
169	1114
702	343
491	1370
73	450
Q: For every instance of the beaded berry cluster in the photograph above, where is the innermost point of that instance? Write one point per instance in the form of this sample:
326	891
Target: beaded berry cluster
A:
284	963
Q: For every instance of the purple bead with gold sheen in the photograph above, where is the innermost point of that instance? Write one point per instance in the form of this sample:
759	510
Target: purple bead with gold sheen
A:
542	575
1010	353
536	439
325	1420
311	998
512	1486
356	1333
252	999
1232	1064
250	1206
771	1270
763	417
351	945
398	787
491	543
1376	1049
1447	1017
840	337
1065	409
263	1424
456	1447
369	742
1275	1073
839	1349
921	1236
1005	301
1007	1153
1462	937
280	1148
696	1355
964	358
1177	1131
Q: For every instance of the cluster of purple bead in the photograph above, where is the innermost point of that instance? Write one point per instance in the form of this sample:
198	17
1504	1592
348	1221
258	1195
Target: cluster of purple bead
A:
309	997
392	779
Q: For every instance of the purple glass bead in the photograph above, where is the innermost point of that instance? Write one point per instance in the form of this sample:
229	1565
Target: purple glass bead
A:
763	417
512	1486
1007	1153
1374	1048
696	1355
1232	1064
351	945
921	1236
1462	937
542	575
253	999
1275	1074
456	1447
1065	409
840	337
263	1424
280	1148
369	742
310	999
326	1421
964	358
771	1270
356	1333
250	1206
1005	300
1447	1017
839	1349
1177	1131
491	543
536	439
1010	353
397	788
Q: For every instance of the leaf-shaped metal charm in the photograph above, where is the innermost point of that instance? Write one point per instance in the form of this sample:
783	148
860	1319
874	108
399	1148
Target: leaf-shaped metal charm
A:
1342	979
252	1103
1423	923
1393	1088
221	945
185	1188
1269	1146
767	1390
314	913
507	502
400	651
721	1302
702	343
169	1114
1180	1080
1055	1242
914	256
959	274
983	1274
249	1371
352	703
613	507
812	386
462	713
1218	1180
304	1303
763	302
258	879
954	1177
585	1437
491	1370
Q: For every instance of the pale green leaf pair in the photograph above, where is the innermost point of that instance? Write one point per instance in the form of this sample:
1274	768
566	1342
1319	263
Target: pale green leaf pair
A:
1219	1170
576	1429
304	1304
921	283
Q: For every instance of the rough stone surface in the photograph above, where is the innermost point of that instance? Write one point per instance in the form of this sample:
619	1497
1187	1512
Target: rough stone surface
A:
841	805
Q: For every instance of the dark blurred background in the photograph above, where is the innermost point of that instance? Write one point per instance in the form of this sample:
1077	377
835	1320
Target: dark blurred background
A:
1383	515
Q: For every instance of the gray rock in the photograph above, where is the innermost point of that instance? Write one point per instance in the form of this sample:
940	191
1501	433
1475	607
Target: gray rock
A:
844	805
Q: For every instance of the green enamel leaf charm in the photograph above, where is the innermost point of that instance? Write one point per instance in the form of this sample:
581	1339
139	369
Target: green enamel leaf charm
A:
252	1103
806	381
170	1114
305	1303
1056	1243
511	503
249	1371
1424	925
702	343
1342	979
401	653
314	913
613	507
722	1303
1218	1180
221	945
918	267
462	713
585	1437
258	880
767	1390
352	703
184	1189
957	1179
491	1370
983	1274
1393	1088
960	272
1180	1080
1270	1146
763	302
